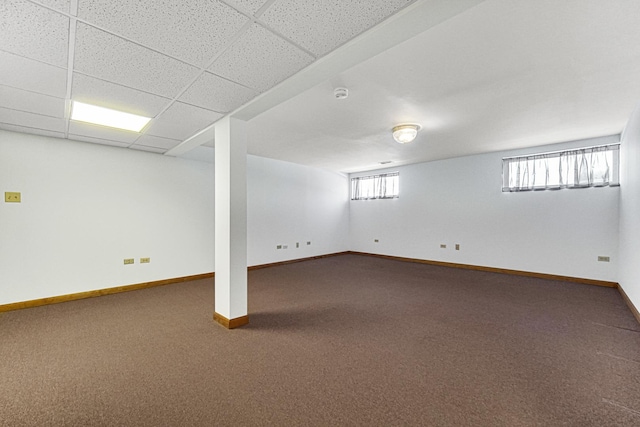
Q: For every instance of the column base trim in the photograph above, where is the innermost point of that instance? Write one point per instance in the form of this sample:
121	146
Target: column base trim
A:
230	323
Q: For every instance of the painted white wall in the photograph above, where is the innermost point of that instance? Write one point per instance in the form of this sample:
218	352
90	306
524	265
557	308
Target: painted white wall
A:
460	201
629	271
86	207
288	204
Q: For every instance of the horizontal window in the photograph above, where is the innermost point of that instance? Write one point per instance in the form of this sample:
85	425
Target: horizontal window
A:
579	168
383	186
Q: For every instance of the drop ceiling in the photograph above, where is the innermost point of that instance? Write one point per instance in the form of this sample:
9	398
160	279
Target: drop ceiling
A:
478	75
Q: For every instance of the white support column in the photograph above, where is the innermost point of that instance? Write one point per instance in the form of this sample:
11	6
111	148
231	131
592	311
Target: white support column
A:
231	223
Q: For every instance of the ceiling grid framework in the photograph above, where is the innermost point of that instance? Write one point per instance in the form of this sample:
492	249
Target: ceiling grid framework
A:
73	25
184	64
478	75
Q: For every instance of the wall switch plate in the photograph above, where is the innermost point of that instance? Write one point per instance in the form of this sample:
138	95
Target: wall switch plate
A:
604	259
443	246
279	247
297	244
129	261
308	243
12	197
145	260
376	241
457	246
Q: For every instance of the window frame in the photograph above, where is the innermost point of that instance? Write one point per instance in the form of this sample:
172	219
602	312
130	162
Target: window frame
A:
570	172
379	184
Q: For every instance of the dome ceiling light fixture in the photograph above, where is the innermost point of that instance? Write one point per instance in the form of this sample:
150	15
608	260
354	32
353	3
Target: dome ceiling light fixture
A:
406	132
341	93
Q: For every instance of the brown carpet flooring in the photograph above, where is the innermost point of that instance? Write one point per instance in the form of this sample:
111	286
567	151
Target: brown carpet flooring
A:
346	340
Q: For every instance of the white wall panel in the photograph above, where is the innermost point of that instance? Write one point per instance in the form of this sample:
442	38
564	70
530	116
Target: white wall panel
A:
87	207
289	204
459	201
630	209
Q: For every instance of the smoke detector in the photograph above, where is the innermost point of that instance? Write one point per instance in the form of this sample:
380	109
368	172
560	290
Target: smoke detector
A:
340	92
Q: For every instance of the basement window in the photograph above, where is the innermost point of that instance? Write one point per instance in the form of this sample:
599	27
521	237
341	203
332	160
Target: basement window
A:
579	168
383	186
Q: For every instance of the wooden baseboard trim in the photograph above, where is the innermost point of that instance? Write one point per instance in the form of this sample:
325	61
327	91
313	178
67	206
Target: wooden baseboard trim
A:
497	270
100	292
292	261
127	288
633	308
240	321
231	323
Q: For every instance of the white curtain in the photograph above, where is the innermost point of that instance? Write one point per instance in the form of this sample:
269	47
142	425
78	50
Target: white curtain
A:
584	167
383	186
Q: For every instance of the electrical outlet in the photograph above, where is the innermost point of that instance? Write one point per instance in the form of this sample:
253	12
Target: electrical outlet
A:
129	261
308	243
145	260
443	246
457	246
279	247
604	259
297	244
376	241
12	197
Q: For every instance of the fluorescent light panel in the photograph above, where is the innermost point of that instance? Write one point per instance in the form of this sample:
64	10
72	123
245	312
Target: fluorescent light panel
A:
107	117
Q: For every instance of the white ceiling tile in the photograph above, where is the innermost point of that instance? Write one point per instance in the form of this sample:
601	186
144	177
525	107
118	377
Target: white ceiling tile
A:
157	142
102	132
321	26
250	6
193	31
260	60
33	131
36	121
218	94
148	149
180	121
62	5
31	75
18	99
34	31
100	141
110	95
112	58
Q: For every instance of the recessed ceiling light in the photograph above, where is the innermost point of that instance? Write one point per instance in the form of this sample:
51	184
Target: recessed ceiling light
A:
405	133
107	117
